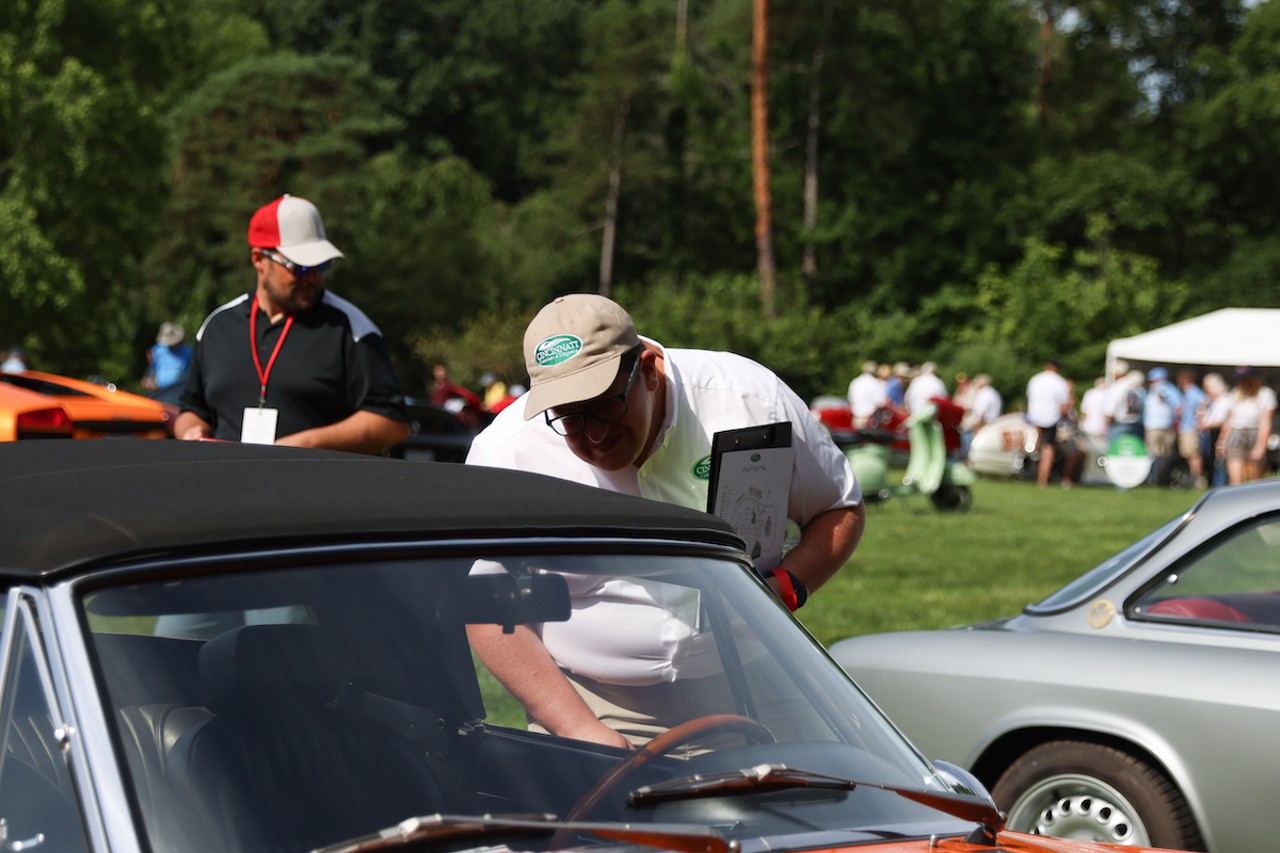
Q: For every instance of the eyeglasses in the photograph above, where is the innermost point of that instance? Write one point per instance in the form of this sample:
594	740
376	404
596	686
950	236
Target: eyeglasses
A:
606	411
298	270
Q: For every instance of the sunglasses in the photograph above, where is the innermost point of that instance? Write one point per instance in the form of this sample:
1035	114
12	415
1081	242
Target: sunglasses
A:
297	270
606	411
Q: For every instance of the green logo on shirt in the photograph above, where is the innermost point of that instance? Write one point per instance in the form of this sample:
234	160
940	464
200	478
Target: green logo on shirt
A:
701	469
556	349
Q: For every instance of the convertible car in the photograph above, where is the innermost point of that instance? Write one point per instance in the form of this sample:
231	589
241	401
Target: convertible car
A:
1138	704
214	647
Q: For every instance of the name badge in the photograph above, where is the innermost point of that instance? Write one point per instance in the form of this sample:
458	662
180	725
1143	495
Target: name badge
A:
259	426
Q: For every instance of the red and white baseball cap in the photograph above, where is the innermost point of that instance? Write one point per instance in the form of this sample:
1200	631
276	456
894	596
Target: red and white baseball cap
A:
294	227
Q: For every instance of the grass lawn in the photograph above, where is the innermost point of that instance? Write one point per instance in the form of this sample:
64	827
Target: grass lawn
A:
920	568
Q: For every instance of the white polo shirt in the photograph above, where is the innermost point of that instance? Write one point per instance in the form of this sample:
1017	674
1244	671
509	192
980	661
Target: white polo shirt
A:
632	631
707	392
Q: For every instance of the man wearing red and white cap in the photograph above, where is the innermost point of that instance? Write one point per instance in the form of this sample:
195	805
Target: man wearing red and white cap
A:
291	362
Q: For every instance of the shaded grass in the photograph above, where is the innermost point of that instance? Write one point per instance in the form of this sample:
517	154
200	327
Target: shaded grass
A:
918	568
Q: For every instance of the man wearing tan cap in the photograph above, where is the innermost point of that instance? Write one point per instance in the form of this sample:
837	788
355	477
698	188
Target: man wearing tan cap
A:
291	362
608	408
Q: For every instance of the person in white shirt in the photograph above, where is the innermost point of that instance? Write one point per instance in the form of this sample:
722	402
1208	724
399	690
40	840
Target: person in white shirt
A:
1243	440
1094	412
987	406
1048	401
866	395
924	387
610	409
1217	410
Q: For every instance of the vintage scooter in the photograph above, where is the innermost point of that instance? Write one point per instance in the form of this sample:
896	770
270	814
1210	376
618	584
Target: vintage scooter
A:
930	471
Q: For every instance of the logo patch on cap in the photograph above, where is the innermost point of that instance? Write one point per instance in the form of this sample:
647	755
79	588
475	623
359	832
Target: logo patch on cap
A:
556	349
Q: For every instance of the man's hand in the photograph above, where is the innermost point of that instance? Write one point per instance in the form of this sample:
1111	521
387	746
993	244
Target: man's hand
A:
191	427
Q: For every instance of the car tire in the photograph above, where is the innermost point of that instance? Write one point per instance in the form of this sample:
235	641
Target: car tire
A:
1089	791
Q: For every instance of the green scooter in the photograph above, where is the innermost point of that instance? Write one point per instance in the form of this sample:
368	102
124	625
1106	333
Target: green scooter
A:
929	471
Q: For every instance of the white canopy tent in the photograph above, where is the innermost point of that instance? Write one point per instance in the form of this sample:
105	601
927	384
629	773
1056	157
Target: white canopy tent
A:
1220	340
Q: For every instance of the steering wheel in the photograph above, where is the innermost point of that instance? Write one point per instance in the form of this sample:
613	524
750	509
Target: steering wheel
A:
689	730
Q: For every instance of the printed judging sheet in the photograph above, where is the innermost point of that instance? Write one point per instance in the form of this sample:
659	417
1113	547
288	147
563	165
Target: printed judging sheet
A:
749	487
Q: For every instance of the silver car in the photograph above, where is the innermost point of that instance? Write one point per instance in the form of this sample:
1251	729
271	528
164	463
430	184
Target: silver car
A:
1139	704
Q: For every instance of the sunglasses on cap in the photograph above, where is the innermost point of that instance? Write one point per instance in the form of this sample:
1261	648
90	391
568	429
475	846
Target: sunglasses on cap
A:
297	270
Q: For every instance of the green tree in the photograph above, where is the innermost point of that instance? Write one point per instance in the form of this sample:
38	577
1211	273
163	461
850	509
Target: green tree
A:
1055	303
79	194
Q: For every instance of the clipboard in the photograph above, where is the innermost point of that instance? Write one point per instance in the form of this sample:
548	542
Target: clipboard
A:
750	485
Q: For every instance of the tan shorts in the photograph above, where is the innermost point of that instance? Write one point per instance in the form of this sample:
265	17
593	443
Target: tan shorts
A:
1189	444
1159	442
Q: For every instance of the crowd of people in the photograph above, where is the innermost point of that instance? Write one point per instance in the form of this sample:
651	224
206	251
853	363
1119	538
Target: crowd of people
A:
902	389
1220	429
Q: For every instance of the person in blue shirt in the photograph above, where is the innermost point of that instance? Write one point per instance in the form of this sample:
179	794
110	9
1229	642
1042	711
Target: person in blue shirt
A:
1160	413
169	360
1190	435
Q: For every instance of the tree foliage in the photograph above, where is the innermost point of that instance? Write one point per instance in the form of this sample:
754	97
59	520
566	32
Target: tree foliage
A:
998	180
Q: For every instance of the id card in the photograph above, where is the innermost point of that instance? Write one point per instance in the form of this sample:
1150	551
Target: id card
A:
259	426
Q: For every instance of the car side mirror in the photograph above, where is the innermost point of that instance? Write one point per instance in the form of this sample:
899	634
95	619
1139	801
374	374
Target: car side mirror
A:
962	781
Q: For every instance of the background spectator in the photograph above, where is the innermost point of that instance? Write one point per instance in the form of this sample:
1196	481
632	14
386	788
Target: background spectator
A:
895	387
1190	433
1048	401
169	359
1127	397
1217	409
866	394
924	387
1093	410
987	406
1243	440
15	361
1160	414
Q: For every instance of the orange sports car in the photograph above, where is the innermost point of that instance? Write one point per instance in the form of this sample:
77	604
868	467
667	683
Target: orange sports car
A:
99	411
26	415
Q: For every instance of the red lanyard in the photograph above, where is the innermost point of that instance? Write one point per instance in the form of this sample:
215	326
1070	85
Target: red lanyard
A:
253	347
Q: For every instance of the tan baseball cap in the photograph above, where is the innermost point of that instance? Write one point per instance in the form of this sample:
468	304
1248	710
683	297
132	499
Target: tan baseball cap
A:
572	348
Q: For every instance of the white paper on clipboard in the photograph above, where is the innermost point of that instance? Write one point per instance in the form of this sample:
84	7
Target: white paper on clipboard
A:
749	487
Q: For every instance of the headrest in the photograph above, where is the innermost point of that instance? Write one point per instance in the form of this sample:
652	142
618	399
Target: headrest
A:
260	667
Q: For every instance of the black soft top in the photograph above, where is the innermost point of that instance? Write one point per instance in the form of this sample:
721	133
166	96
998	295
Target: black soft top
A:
68	504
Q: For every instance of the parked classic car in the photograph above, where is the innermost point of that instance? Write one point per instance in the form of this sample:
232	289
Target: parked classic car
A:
99	411
1140	703
209	647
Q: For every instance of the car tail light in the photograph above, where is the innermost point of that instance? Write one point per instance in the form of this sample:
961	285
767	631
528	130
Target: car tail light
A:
44	420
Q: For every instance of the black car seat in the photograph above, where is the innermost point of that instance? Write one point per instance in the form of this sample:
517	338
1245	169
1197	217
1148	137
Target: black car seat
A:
279	766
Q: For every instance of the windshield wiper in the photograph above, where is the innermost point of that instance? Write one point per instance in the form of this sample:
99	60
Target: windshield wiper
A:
777	777
440	829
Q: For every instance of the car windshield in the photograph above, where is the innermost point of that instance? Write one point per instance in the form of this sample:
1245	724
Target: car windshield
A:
296	708
1105	572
